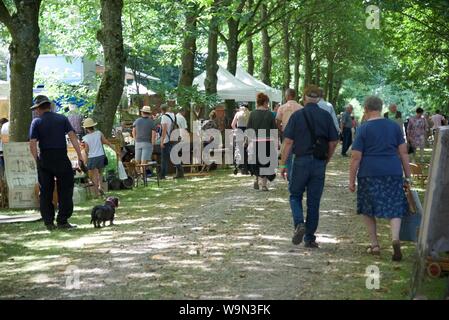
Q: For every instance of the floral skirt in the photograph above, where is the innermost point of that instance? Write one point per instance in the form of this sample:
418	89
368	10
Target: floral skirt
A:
382	197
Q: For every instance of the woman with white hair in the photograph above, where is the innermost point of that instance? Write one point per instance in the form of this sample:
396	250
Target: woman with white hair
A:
379	159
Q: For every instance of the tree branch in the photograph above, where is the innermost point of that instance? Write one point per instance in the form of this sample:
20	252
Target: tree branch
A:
5	16
251	17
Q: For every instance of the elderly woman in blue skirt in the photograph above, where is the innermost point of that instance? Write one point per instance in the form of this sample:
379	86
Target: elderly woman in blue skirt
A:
379	159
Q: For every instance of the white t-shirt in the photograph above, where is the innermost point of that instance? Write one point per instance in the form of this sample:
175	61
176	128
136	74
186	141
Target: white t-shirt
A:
93	140
4	133
181	121
169	122
437	121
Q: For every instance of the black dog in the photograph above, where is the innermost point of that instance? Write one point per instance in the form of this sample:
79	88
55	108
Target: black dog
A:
104	213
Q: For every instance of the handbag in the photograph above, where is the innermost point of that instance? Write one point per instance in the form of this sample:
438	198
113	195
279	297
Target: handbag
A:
320	145
411	223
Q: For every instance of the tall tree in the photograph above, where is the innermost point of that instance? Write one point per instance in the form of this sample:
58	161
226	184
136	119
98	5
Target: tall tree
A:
23	25
111	87
189	46
210	82
286	44
267	59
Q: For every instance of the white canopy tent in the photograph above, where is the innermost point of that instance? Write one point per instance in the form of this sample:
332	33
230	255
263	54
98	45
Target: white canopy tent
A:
132	89
228	86
274	94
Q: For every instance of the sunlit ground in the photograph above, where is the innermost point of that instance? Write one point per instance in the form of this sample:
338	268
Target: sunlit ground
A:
204	238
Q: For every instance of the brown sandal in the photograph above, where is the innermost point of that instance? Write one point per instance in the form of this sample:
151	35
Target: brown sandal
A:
371	250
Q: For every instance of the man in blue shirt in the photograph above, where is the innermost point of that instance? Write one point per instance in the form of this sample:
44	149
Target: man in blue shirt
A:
49	130
308	172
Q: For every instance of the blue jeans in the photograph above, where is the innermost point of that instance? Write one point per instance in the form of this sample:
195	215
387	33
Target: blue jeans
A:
289	165
308	174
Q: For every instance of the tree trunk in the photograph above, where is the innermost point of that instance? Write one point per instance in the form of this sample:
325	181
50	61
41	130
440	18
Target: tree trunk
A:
297	75
336	94
23	26
267	59
250	54
307	55
328	88
210	83
111	88
189	48
250	46
233	45
317	65
286	53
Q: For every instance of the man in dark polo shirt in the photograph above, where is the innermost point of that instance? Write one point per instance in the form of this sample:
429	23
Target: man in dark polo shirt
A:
49	131
308	172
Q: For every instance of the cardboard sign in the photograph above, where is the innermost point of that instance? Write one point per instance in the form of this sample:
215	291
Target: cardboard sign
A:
21	175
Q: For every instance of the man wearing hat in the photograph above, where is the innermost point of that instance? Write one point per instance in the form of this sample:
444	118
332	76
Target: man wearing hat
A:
49	130
304	128
144	136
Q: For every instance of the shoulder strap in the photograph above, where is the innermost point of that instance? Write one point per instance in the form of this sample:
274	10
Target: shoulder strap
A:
168	117
311	129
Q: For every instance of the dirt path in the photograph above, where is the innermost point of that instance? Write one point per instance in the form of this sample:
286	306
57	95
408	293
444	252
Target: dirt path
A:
205	238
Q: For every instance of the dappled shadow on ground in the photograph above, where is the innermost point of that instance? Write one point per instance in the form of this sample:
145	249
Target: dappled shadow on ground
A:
205	238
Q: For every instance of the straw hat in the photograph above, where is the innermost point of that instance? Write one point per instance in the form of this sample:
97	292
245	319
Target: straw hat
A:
146	109
89	123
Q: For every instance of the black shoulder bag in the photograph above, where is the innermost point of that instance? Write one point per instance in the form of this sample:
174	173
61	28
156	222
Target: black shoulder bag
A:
320	145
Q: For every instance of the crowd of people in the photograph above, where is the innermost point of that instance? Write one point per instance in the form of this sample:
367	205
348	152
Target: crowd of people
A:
309	132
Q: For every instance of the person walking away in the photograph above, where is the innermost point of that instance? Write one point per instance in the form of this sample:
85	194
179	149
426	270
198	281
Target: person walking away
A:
283	116
438	122
96	157
261	121
168	124
416	133
323	104
346	129
241	118
144	136
379	158
49	130
76	120
395	115
309	168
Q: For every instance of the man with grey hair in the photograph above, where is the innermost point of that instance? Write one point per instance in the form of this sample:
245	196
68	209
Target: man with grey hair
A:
323	104
312	138
346	129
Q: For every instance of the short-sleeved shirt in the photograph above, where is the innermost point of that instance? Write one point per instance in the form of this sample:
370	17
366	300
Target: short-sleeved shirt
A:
168	119
144	128
378	141
76	121
93	140
346	120
437	121
261	120
50	130
285	112
298	131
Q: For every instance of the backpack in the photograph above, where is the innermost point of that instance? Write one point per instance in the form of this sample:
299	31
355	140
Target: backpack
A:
175	125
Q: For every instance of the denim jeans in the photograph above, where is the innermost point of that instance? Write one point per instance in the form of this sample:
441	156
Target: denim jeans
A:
347	140
308	175
289	165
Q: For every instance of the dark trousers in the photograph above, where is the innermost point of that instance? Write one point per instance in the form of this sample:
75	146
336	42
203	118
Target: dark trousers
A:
347	140
54	164
165	160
